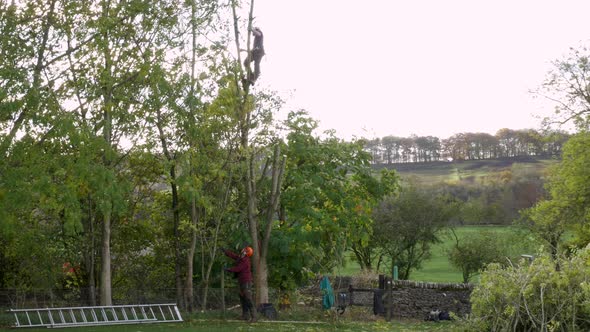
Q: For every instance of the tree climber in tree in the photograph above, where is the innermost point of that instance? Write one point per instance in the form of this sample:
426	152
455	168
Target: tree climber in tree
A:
255	55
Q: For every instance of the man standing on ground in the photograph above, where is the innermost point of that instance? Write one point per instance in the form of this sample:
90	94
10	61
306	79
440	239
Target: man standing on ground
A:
242	270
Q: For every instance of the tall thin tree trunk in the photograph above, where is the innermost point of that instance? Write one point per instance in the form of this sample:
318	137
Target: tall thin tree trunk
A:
213	251
177	251
107	91
105	271
171	158
91	266
278	168
253	225
90	255
188	289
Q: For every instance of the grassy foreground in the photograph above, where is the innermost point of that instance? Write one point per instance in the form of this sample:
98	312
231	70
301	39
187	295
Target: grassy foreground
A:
309	318
210	326
270	326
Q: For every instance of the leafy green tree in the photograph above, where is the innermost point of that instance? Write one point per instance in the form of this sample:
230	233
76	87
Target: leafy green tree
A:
372	192
111	70
35	189
30	35
472	254
569	186
76	78
548	221
407	225
328	193
566	207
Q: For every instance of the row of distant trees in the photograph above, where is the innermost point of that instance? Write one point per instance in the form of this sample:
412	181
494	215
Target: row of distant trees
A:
466	146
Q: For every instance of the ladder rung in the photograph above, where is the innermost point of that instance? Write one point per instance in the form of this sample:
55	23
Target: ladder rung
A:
61	316
50	317
39	315
83	314
134	313
104	315
152	312
143	312
72	316
162	312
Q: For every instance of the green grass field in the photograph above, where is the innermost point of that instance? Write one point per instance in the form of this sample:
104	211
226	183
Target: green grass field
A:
438	268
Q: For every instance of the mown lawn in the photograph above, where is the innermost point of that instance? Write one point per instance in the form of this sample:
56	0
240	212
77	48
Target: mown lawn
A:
266	326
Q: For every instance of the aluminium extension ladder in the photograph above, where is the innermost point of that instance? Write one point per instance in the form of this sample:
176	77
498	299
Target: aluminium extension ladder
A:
99	315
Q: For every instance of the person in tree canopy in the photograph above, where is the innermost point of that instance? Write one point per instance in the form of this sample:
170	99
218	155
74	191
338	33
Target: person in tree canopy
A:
255	55
242	270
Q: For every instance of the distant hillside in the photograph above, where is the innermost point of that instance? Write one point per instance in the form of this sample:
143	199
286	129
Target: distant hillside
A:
472	171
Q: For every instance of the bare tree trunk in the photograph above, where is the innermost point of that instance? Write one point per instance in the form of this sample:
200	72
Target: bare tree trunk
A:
253	226
189	292
107	91
278	168
90	255
105	271
177	252
188	289
213	247
171	158
91	267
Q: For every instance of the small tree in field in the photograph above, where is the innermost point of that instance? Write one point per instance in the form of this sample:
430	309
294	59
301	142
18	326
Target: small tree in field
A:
407	225
473	253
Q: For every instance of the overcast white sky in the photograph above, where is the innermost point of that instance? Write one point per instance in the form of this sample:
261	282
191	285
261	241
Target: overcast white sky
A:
427	67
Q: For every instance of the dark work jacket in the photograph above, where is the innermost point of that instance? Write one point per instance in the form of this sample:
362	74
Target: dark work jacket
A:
241	267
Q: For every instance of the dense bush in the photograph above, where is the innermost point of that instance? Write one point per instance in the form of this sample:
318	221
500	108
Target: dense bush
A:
543	295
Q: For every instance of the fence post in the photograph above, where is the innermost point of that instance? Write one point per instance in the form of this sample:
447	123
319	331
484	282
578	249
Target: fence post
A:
223	293
389	298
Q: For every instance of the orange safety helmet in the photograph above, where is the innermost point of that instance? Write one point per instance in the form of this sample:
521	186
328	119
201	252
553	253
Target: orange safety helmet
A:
248	251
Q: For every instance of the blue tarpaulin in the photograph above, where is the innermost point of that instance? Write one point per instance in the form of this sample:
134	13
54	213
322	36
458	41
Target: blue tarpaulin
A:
327	292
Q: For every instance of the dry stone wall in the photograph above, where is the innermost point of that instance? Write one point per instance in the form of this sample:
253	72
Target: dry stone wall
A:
417	299
411	299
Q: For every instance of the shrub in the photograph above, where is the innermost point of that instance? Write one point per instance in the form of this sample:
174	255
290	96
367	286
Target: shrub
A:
543	295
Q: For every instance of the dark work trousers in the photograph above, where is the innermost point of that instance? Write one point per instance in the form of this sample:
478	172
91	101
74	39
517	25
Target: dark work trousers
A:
248	311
